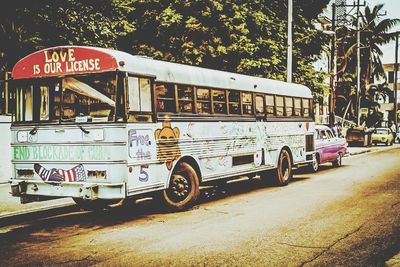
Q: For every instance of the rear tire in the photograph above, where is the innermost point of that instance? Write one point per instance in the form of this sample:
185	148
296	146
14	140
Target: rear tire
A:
183	188
338	161
283	173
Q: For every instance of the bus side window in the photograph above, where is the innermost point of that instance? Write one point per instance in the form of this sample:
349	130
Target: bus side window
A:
203	103
219	101
270	105
289	106
185	98
260	110
297	107
234	102
165	95
139	94
279	106
247	103
306	107
134	94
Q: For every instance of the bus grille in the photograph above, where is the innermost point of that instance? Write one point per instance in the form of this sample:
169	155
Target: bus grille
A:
310	143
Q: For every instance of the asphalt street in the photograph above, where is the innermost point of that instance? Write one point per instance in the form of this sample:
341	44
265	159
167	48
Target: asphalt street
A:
347	216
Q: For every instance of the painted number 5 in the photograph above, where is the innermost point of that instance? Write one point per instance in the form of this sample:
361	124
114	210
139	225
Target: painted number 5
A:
144	176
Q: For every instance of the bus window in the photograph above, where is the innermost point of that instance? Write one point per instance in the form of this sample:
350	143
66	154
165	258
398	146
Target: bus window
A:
247	103
270	104
260	111
279	106
219	101
89	98
24	104
289	106
185	98
44	103
165	94
234	102
297	107
145	95
203	101
139	94
306	107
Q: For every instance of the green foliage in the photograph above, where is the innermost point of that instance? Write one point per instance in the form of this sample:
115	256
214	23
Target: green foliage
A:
234	35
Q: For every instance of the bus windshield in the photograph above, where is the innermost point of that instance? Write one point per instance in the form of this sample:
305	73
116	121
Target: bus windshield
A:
79	99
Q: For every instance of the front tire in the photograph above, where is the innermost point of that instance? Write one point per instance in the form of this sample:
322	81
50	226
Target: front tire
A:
183	188
283	173
314	166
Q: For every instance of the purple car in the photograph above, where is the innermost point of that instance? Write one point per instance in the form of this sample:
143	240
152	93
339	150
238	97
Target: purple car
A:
329	148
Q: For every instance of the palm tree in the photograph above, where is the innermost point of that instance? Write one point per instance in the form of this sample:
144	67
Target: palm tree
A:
374	32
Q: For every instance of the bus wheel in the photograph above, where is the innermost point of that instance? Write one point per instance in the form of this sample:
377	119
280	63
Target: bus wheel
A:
183	188
283	172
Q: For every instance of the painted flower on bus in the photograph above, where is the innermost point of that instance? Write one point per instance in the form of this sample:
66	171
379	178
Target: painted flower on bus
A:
167	139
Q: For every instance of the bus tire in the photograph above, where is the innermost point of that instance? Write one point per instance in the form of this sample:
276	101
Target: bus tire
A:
283	172
183	189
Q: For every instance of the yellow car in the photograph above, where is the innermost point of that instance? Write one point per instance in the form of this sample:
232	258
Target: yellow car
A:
382	135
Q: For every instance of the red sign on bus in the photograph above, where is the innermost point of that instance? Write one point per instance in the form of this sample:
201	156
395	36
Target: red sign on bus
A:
63	60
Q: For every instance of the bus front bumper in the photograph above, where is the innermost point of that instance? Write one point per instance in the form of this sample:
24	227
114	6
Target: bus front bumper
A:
33	190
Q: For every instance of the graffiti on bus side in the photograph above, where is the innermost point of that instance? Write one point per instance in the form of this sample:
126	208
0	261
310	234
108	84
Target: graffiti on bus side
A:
167	142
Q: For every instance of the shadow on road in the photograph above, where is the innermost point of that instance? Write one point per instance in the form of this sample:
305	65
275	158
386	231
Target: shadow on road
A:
129	212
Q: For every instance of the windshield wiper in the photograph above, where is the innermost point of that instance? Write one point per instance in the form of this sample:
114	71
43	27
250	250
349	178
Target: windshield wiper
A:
83	129
33	131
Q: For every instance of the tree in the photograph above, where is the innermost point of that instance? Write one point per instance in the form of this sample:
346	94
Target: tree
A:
26	26
374	32
248	37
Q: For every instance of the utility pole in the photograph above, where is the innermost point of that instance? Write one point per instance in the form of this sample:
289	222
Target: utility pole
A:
333	70
396	68
289	42
358	63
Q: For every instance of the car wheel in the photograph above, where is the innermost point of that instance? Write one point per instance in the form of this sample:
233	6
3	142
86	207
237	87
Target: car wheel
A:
338	161
386	143
314	166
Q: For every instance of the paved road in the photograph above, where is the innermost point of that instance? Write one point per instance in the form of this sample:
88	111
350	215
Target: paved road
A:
347	216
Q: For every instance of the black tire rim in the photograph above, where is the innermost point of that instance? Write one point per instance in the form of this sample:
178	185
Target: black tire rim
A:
180	188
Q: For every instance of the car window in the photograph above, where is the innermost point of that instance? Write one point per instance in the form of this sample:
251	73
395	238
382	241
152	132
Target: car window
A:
329	133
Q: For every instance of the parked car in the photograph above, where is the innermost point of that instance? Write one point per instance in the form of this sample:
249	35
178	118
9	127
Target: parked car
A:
382	135
329	148
359	136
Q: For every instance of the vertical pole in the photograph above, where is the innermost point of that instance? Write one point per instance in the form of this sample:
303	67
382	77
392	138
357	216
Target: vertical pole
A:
358	64
396	68
289	42
332	69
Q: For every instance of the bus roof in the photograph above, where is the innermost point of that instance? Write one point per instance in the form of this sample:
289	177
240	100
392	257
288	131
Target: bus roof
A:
67	60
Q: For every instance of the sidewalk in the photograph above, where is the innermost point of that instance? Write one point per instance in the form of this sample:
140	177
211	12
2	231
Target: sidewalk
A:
11	206
361	150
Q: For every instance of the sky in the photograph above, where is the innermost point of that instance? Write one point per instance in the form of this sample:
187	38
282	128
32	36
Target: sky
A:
392	7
